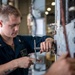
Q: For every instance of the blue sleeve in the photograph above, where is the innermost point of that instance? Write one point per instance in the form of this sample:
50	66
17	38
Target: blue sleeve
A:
29	41
40	39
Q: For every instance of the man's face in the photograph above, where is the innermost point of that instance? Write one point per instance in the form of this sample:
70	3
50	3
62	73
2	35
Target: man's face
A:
11	27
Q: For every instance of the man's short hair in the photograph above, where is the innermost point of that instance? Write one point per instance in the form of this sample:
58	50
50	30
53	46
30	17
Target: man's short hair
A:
9	10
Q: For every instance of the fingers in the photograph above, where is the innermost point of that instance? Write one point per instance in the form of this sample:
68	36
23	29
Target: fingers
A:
32	60
48	45
25	62
68	60
45	46
71	60
42	45
63	56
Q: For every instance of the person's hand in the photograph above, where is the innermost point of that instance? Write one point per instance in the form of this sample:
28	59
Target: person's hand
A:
63	66
24	62
46	45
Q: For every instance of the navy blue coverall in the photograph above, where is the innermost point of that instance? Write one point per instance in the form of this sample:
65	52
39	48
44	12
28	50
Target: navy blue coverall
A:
23	46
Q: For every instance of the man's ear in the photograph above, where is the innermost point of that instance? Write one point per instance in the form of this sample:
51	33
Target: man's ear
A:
0	23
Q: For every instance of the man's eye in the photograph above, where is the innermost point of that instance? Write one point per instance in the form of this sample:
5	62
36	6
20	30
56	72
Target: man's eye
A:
12	26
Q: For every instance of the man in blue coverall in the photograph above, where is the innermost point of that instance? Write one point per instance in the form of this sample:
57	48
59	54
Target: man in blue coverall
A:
14	48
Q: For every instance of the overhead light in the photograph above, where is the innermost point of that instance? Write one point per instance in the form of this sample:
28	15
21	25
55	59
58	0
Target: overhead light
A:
46	12
10	3
53	3
48	9
72	8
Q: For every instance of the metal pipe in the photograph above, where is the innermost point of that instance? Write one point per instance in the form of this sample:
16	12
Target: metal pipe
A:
67	13
35	50
63	24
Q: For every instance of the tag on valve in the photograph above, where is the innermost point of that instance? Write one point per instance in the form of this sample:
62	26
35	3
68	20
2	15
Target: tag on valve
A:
51	55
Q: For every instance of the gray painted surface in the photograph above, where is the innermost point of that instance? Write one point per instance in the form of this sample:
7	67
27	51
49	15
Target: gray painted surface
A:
59	37
40	5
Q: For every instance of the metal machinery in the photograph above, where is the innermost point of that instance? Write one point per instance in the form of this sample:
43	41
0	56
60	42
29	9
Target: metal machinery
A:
37	9
65	26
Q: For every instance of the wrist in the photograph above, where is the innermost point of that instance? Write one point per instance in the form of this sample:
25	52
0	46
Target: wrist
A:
50	39
15	63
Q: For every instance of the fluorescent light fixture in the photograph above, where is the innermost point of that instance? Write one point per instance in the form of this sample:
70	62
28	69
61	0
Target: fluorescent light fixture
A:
53	3
46	12
48	9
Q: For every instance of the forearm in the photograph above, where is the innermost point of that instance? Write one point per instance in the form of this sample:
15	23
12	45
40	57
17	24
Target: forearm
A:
8	67
51	71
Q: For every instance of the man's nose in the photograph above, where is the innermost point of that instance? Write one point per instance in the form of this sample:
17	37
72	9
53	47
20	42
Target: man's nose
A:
16	28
